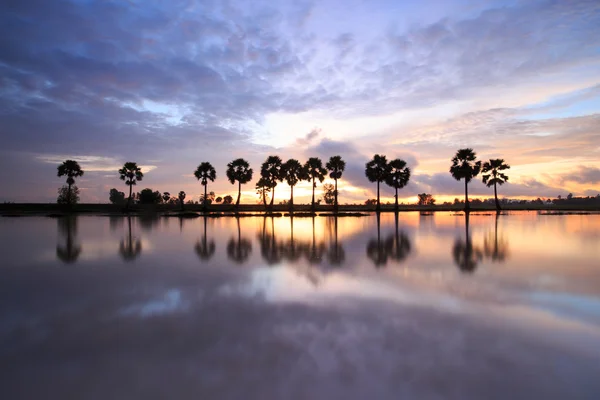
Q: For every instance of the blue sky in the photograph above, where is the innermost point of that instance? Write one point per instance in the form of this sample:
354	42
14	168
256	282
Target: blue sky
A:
172	84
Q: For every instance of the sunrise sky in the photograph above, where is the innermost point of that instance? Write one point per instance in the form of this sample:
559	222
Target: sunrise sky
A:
169	84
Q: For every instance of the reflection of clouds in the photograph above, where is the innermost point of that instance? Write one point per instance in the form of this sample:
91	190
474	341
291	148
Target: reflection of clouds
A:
171	302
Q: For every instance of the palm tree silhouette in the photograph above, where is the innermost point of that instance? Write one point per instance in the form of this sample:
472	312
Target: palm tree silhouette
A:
130	247
398	176
263	187
314	171
466	256
204	173
336	254
239	171
72	170
130	173
377	170
495	249
336	166
69	253
398	245
271	172
493	176
465	166
376	250
181	198
239	250
293	172
205	248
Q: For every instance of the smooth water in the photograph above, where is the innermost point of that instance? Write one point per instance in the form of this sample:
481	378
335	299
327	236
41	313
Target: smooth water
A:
415	306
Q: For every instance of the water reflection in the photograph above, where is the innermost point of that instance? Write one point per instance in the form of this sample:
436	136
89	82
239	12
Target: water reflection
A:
70	250
269	248
376	250
130	247
466	256
336	254
495	247
205	248
291	249
238	250
398	245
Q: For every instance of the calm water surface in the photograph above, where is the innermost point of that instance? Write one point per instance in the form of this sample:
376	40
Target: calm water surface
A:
413	306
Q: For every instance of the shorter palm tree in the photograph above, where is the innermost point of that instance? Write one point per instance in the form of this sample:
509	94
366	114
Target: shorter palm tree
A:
181	198
465	166
336	166
263	188
131	174
271	171
313	168
71	170
204	173
493	177
239	171
377	170
293	172
398	176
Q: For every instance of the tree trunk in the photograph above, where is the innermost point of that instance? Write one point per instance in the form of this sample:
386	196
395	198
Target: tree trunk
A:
69	195
335	200
292	198
312	204
272	195
129	198
378	208
264	197
181	201
396	199
466	195
205	199
496	197
237	203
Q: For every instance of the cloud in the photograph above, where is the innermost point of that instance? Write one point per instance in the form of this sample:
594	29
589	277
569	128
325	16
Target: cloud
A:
583	175
310	137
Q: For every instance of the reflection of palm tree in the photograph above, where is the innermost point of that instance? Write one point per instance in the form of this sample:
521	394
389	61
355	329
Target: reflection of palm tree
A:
398	245
239	250
376	251
148	221
466	256
130	247
315	251
67	226
205	248
496	249
291	250
269	248
336	254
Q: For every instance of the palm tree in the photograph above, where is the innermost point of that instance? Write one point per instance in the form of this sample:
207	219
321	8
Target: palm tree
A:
314	170
204	173
205	248
131	174
493	176
465	166
377	170
72	170
398	176
166	196
293	172
336	166
263	187
181	198
271	172
239	170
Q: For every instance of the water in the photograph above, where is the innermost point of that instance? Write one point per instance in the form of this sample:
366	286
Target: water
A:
271	308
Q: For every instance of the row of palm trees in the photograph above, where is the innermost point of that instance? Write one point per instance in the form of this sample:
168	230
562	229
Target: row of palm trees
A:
394	173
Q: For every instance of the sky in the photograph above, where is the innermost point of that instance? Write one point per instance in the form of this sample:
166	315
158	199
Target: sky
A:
170	84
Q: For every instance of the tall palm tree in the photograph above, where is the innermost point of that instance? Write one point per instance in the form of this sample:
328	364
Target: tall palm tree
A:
293	172
271	172
398	176
493	176
377	170
131	174
314	171
72	170
465	166
239	171
336	166
204	173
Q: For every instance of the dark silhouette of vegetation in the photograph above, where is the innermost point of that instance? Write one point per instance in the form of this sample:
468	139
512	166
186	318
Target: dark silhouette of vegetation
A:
329	193
239	251
465	166
181	197
314	171
205	249
166	196
227	199
131	174
377	170
466	256
239	171
71	170
336	167
263	188
293	172
207	199
495	248
116	197
68	195
218	200
130	247
492	175
149	196
398	245
70	252
397	177
425	199
271	172
376	250
204	173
